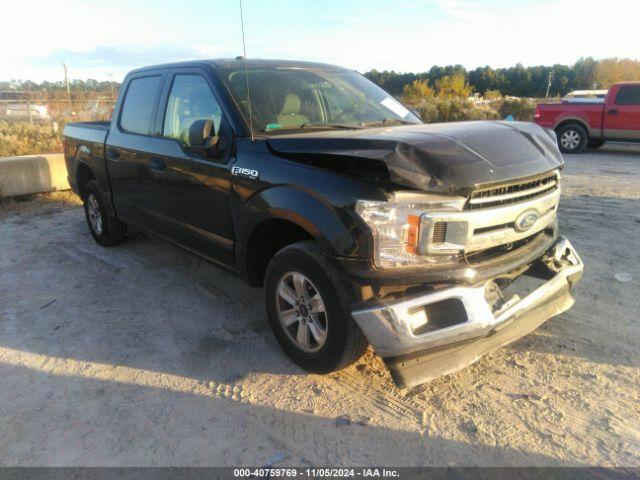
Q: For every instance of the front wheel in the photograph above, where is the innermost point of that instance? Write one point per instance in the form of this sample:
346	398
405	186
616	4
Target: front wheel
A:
308	309
572	138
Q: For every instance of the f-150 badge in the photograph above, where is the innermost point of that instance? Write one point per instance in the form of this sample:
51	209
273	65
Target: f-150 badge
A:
245	172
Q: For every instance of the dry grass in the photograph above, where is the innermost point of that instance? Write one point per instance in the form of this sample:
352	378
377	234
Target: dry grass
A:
38	203
21	138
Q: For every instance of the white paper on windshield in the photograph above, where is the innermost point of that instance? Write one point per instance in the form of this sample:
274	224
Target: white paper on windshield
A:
395	107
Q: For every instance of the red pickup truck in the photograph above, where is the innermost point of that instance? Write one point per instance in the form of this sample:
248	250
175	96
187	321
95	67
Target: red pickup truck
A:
589	125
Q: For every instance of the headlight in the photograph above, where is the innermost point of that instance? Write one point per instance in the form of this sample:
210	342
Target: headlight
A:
395	225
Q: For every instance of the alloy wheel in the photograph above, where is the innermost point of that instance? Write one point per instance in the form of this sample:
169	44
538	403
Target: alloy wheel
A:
301	312
95	215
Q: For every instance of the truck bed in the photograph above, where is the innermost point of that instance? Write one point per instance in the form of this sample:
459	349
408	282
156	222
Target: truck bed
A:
549	115
94	132
89	137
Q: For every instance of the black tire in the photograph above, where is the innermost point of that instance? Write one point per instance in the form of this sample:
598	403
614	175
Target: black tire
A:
110	231
593	144
345	343
572	138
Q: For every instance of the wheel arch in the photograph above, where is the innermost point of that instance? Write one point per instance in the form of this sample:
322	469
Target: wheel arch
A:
84	174
87	167
277	217
577	125
265	240
570	121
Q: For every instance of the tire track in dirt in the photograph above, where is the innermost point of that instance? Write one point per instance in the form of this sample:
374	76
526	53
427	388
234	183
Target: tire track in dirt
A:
361	389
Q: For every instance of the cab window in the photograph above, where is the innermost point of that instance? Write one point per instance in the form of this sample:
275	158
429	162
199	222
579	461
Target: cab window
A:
138	105
190	100
628	95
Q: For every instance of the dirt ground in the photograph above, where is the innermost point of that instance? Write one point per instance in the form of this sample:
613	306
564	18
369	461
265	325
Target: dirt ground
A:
144	355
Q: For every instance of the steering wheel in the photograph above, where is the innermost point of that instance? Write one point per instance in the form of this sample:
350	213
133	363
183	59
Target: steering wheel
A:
353	109
341	115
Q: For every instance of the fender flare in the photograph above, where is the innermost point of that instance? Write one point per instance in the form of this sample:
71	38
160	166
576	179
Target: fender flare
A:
579	121
301	208
84	158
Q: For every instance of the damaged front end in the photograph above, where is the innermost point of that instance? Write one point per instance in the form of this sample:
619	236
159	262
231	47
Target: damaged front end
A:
445	158
466	255
509	287
439	332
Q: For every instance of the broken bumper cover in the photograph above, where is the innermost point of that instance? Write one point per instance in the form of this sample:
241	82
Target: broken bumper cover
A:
442	331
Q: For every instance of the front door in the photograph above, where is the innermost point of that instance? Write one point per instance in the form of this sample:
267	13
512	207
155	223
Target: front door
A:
190	192
622	120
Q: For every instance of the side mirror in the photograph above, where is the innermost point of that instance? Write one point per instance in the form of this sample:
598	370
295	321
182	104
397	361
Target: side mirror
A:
203	140
199	132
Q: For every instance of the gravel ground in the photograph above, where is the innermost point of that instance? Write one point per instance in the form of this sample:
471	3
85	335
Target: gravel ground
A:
145	355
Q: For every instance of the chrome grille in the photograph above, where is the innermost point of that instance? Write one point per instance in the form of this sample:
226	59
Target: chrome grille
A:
474	230
513	192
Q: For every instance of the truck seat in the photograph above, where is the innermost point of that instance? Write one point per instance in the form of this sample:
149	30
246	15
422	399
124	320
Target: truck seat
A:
290	116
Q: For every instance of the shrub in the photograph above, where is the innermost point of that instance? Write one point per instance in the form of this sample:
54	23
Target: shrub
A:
447	103
454	86
417	91
491	95
520	109
452	109
18	138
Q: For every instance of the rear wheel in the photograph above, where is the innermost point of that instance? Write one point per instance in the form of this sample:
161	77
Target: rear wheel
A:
572	138
308	310
105	229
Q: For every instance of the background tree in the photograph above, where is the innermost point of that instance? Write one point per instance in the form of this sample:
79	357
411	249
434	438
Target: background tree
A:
521	81
585	69
454	85
417	91
613	70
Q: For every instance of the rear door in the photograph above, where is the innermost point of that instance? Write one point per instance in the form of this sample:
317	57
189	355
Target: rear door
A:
191	191
622	119
127	147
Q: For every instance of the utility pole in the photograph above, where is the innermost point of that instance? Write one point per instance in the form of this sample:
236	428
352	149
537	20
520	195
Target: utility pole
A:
549	83
29	105
66	81
110	75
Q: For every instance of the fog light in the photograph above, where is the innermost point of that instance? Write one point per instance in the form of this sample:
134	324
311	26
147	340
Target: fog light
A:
437	315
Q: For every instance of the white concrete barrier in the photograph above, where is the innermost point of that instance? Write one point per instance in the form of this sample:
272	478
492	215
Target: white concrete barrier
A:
32	174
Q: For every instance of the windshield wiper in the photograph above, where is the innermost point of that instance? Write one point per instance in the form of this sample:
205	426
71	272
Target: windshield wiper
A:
386	121
337	126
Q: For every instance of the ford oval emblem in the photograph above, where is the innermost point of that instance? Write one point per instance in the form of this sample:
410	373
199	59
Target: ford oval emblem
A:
526	220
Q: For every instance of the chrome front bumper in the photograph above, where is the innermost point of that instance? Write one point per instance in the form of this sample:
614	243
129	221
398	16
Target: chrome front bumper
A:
394	329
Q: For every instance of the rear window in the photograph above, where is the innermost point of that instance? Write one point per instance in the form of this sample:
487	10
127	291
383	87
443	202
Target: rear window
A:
139	102
628	95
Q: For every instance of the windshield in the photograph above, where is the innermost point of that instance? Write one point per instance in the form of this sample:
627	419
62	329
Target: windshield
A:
296	99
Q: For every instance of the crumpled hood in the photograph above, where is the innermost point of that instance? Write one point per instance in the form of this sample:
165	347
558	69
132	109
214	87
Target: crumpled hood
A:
445	157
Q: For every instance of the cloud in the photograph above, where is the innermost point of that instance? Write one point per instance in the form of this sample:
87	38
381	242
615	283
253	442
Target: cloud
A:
122	55
101	38
461	9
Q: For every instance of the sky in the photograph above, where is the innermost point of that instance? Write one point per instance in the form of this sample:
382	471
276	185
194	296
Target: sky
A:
103	39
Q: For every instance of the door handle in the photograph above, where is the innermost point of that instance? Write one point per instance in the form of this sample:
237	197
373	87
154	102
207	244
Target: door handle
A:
613	111
157	164
113	154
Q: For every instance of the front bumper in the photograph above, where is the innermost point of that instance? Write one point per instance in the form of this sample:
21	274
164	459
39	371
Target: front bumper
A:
442	331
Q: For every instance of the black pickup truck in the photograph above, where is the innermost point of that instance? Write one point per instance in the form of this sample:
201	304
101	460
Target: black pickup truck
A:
433	243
